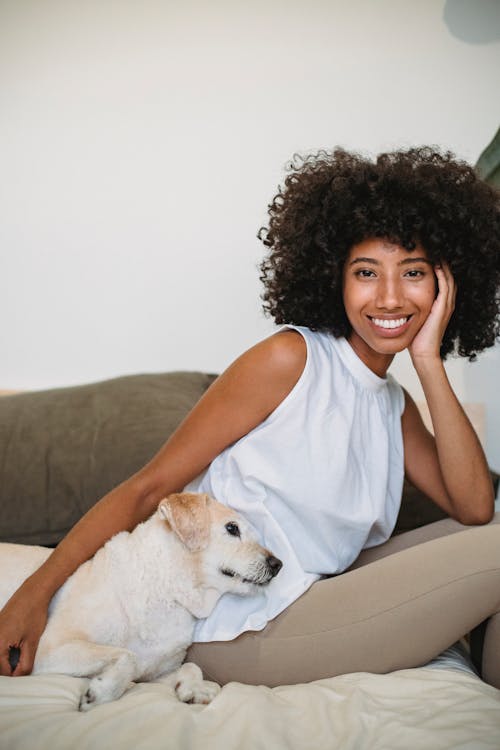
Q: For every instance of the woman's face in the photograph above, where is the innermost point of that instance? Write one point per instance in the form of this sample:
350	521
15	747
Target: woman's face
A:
388	293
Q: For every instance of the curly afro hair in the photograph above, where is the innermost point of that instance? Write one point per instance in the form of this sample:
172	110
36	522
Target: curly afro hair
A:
333	200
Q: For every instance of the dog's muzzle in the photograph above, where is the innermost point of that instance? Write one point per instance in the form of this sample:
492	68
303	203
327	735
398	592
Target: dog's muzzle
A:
264	572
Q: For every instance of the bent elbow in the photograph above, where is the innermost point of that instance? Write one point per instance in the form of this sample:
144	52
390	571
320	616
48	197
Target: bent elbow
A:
478	520
487	517
479	517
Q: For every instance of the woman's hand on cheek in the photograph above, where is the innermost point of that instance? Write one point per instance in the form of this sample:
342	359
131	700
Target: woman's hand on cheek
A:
427	343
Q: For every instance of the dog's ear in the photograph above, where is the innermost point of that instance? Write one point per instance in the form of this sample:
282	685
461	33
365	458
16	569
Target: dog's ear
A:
187	514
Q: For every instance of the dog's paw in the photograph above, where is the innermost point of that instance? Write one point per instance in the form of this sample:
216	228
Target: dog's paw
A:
87	701
98	692
200	692
190	686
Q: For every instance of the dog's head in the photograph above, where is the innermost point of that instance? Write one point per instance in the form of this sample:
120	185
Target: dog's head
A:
224	544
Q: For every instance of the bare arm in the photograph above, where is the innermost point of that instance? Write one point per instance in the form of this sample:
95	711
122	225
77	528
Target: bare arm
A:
237	401
451	467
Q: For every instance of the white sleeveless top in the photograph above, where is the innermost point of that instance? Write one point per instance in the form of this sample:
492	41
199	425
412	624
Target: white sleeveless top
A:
320	479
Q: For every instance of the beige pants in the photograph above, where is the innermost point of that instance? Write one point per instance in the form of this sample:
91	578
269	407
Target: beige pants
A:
398	606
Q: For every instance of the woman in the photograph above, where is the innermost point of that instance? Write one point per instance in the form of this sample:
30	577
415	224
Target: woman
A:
310	437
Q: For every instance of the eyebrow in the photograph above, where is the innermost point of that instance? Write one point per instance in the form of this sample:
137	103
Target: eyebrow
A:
404	262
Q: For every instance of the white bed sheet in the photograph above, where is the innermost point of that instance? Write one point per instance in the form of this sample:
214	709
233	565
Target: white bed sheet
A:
409	709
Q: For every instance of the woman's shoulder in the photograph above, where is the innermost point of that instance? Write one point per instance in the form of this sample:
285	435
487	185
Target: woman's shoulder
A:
260	378
280	357
287	347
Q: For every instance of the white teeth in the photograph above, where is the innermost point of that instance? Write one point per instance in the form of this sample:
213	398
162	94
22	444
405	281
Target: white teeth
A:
384	323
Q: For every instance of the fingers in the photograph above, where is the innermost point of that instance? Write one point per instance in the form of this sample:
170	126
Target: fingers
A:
25	663
5	668
446	285
21	624
451	284
15	662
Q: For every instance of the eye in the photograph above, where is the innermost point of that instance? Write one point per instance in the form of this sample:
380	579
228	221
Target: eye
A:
233	528
364	273
415	273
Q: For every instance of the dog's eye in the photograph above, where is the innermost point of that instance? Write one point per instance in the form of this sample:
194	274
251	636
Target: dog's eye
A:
233	529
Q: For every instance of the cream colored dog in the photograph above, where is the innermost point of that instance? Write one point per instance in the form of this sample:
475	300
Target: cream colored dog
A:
128	614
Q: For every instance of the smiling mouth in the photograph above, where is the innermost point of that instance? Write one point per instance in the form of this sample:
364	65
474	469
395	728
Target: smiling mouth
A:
389	324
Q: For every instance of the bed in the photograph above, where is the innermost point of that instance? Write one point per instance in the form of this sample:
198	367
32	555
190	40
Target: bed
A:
62	449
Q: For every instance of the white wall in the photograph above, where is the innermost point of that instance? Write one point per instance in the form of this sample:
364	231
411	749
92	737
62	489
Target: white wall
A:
140	143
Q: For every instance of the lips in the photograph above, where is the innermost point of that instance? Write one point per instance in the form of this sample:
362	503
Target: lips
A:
390	326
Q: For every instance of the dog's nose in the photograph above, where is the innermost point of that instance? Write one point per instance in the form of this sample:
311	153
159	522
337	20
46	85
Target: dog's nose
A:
274	565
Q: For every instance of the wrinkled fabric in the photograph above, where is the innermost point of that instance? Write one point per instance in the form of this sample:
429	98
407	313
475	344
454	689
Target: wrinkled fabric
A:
417	708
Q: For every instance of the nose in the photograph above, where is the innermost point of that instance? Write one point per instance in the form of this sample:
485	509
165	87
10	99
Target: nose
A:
389	294
274	565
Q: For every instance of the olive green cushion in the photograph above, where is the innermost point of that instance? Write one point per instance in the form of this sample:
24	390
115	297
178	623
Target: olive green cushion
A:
63	449
416	510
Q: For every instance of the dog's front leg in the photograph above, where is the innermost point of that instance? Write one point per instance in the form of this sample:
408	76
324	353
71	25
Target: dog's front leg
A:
190	687
111	669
